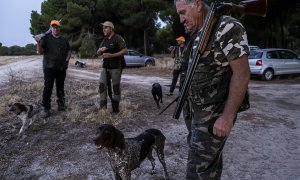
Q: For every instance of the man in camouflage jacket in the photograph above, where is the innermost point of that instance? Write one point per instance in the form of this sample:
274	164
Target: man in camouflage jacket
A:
177	53
218	87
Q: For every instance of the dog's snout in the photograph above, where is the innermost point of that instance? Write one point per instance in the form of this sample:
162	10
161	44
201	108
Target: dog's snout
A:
11	108
95	140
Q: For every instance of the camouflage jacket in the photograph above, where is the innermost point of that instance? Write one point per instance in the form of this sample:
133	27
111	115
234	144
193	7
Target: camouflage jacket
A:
178	59
210	84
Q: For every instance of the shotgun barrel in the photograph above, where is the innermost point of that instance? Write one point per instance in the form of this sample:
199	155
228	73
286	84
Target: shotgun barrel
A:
208	27
248	7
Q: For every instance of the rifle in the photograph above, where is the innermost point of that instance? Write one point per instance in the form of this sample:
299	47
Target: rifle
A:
168	106
209	24
40	36
214	13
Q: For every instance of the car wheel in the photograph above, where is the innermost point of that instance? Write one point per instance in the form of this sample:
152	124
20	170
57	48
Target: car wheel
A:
148	63
268	75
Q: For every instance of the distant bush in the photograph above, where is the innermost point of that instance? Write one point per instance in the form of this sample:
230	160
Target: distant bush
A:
29	49
88	47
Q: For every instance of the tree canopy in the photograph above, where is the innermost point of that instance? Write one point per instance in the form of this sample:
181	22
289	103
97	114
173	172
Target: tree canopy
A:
137	21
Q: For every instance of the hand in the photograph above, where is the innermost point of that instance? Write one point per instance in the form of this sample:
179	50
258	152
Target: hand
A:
101	50
222	127
107	55
240	9
37	39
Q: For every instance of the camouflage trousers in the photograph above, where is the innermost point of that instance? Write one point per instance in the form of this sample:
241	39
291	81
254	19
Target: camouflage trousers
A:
110	80
205	153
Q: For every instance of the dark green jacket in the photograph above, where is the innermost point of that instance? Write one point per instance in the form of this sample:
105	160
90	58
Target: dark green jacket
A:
55	52
115	44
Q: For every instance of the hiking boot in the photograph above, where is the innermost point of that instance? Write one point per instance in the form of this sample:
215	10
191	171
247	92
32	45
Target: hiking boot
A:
115	107
45	113
114	112
61	107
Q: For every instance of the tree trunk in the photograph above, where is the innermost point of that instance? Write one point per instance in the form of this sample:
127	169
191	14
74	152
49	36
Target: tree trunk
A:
145	41
282	33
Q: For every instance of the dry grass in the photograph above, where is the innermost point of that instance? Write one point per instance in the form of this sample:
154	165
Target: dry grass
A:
161	62
7	99
10	59
82	101
82	98
15	79
164	62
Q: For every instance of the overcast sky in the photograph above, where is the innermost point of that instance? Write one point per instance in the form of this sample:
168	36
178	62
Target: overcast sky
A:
15	21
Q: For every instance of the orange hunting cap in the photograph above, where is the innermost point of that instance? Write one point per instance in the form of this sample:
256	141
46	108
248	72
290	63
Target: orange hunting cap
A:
181	38
55	22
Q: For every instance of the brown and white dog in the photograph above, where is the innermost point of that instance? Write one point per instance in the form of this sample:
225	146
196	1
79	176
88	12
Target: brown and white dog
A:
27	113
126	154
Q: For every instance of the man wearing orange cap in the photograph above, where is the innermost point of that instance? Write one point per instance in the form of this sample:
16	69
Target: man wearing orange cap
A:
56	51
177	54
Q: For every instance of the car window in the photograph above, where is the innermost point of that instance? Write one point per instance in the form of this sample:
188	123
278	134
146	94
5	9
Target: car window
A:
255	55
287	55
130	53
133	53
253	48
273	55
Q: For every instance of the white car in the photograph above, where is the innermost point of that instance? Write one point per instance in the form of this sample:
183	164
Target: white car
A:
269	62
253	48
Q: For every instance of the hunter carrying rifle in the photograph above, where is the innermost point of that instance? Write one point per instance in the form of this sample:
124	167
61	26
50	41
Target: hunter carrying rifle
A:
247	7
217	78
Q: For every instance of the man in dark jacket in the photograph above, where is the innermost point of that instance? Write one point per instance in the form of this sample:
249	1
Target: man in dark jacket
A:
113	48
56	50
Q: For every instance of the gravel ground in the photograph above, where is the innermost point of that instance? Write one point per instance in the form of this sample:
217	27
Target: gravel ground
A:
264	143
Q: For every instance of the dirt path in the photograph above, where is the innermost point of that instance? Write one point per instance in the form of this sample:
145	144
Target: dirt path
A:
264	143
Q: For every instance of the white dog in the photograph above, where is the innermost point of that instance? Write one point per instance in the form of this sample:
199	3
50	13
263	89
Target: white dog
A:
27	113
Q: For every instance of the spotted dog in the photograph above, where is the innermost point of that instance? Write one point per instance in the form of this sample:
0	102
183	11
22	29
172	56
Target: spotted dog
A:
157	93
27	113
126	154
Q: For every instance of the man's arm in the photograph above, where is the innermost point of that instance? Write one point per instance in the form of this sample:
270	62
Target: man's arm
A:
101	50
238	87
39	48
69	55
122	52
173	52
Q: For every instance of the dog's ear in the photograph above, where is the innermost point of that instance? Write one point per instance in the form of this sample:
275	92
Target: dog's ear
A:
119	139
